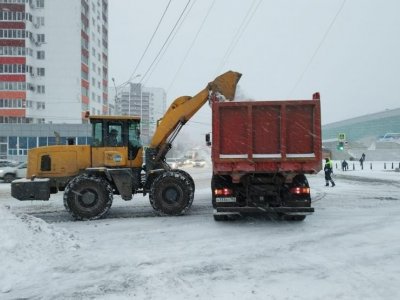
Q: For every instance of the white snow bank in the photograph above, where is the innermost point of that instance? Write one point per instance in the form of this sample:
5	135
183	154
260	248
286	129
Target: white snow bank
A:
28	245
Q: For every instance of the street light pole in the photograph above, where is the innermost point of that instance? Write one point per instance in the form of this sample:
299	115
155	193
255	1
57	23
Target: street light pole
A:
117	109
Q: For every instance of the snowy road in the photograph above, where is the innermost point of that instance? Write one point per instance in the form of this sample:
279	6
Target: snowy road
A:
349	248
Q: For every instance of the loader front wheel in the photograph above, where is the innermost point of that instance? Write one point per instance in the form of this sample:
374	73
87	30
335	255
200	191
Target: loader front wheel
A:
88	197
172	193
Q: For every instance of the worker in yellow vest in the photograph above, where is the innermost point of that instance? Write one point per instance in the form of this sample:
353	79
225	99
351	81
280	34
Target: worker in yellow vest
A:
328	169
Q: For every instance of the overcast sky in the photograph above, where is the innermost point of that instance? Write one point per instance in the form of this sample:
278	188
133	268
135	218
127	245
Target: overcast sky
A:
349	51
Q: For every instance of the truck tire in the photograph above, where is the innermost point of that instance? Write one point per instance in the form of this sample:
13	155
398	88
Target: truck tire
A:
88	197
219	218
171	193
8	178
297	218
226	216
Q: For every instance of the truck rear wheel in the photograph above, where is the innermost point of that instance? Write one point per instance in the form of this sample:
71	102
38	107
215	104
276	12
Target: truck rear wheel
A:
226	217
88	197
297	218
171	193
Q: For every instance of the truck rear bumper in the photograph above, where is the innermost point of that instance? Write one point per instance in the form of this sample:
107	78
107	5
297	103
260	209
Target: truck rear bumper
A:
26	189
269	210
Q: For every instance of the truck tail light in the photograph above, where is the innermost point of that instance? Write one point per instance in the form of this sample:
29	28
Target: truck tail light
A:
223	192
300	190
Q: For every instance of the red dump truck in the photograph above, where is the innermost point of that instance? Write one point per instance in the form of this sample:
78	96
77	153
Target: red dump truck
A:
261	151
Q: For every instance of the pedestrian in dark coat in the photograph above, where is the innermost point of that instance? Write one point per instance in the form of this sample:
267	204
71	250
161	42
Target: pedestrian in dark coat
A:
345	165
328	171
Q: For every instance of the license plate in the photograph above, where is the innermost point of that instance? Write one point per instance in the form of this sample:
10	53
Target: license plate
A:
225	199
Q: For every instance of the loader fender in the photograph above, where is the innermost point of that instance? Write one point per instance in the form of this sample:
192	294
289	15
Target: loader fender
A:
122	180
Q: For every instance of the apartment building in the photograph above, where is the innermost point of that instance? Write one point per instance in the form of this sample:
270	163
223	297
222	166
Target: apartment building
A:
147	102
53	60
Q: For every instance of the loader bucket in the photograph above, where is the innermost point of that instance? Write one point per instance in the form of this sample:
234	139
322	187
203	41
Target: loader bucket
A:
225	84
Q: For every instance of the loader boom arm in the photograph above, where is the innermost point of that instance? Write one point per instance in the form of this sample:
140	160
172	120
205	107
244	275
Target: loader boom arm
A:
183	108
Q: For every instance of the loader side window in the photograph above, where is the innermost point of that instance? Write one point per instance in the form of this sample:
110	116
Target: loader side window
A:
97	134
134	140
45	163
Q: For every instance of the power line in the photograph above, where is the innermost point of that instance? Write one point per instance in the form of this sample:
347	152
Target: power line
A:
191	46
241	29
170	41
159	52
148	45
317	49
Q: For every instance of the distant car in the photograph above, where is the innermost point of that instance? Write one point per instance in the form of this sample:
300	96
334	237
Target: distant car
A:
181	161
199	163
188	161
174	163
14	171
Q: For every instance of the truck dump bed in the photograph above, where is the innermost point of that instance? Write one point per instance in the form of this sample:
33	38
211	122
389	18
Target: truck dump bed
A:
266	136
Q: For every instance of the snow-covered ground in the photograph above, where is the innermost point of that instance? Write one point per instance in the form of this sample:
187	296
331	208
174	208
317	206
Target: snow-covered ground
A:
348	249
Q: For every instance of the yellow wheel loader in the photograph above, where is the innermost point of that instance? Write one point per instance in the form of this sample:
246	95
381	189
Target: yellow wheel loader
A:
117	164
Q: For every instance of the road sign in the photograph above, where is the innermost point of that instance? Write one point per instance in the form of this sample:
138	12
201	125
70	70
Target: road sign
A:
341	136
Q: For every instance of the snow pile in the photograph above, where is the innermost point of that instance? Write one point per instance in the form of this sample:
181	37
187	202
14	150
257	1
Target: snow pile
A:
28	246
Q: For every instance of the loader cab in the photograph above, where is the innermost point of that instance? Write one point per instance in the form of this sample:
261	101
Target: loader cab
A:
115	140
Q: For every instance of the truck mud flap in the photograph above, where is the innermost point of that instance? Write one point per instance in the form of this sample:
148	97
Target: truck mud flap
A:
268	210
26	189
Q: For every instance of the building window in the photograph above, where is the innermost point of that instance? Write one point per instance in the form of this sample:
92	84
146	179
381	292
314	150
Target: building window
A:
40	105
32	142
40	55
40	3
12	86
13	33
42	141
40	72
13	68
40	21
85	92
85	75
11	103
40	89
82	140
40	38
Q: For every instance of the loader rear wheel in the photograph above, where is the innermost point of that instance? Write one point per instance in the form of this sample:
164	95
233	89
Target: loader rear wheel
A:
88	197
172	193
